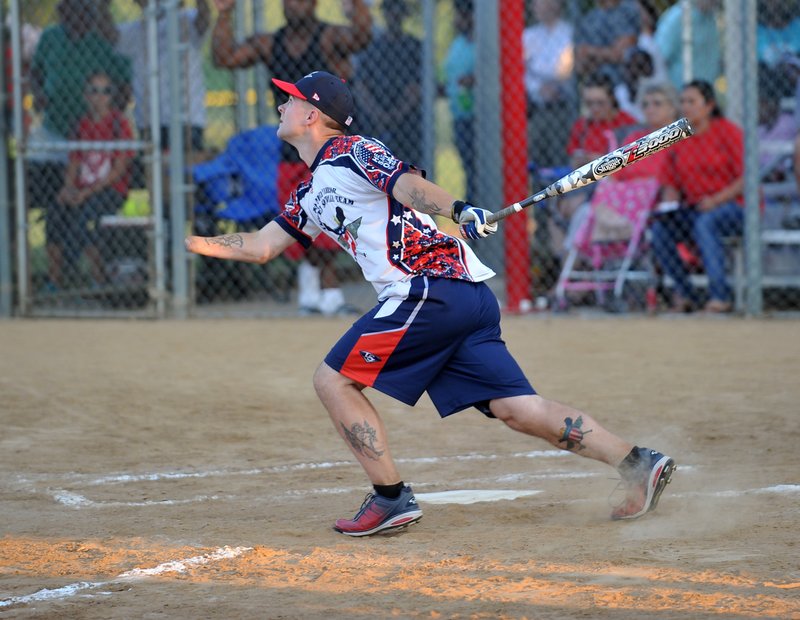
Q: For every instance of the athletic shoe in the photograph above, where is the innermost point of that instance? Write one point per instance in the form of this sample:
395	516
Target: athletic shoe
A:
644	483
379	513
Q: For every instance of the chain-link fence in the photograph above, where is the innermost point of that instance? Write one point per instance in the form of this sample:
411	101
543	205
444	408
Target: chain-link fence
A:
130	123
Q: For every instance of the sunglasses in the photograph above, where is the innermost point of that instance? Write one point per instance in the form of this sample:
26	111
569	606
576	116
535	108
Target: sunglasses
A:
99	90
596	103
652	102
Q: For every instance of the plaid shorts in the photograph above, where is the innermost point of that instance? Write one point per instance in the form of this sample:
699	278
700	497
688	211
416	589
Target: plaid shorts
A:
443	338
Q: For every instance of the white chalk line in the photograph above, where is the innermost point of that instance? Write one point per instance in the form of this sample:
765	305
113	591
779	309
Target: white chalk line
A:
72	499
781	489
176	566
124	478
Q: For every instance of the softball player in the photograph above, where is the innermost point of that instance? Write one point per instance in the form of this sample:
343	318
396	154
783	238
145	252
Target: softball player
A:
436	327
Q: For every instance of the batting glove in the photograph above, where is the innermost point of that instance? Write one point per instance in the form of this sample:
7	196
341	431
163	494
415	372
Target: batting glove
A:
472	220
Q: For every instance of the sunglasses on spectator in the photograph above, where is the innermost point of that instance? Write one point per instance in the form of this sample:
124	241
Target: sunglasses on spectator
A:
652	102
98	90
596	103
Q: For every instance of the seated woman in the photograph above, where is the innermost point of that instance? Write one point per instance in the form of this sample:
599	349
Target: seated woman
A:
659	103
593	134
702	183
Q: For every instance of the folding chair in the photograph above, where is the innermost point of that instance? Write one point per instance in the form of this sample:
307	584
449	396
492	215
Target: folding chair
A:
609	241
241	184
238	187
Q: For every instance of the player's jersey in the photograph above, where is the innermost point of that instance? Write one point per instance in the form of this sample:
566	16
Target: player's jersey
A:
349	198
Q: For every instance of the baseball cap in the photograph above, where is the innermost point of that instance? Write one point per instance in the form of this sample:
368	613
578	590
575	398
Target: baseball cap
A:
326	92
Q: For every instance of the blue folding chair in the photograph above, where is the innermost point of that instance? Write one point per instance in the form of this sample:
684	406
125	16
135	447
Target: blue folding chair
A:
241	184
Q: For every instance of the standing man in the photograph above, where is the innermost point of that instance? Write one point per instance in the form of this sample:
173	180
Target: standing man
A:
603	36
436	327
706	43
303	45
193	25
459	86
549	85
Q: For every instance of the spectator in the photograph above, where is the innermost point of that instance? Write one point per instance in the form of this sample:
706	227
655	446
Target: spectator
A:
305	44
459	72
706	49
777	32
703	177
67	53
104	23
774	124
591	136
778	46
603	37
193	24
648	18
29	35
797	160
96	183
387	86
548	50
638	66
659	102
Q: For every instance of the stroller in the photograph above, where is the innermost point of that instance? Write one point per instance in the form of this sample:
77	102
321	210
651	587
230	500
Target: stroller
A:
608	243
237	190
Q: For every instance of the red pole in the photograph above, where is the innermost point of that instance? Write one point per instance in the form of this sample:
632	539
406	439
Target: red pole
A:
514	152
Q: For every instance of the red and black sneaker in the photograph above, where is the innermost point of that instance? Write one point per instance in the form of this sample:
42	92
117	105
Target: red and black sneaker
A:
379	513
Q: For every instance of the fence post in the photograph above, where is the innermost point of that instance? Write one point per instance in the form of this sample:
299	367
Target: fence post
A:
752	224
23	281
487	132
177	165
5	205
157	187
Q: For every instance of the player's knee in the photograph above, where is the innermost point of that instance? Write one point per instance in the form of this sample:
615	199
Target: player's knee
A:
515	409
328	383
324	380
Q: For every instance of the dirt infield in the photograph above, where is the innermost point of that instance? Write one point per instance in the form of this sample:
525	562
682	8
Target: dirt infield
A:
186	470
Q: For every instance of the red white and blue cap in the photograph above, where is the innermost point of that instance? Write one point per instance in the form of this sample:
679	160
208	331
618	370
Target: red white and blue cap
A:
326	92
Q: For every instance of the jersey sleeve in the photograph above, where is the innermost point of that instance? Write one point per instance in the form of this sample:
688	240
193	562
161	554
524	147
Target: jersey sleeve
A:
295	221
377	164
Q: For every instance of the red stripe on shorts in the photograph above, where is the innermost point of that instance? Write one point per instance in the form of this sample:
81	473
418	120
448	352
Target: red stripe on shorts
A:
370	354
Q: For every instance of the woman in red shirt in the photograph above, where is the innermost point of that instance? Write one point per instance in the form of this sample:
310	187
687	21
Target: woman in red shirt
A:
704	177
594	134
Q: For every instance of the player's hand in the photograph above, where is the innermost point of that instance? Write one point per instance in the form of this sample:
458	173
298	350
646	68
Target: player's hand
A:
472	220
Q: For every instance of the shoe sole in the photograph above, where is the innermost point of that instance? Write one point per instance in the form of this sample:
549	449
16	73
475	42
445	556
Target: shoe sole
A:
660	476
395	523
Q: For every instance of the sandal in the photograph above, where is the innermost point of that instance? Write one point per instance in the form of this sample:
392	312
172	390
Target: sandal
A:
717	306
681	304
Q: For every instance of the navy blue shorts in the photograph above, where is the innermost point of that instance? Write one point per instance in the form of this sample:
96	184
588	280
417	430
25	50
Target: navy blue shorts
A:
443	338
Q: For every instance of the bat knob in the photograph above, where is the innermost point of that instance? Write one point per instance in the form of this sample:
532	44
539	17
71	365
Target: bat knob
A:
683	123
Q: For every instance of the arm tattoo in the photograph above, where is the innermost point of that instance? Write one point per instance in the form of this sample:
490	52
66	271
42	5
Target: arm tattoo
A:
362	440
228	241
572	433
418	203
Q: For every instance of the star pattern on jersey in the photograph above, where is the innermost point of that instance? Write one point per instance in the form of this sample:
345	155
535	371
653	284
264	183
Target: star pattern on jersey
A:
396	219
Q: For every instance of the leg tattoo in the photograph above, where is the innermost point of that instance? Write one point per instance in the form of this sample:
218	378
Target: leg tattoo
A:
362	440
573	434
